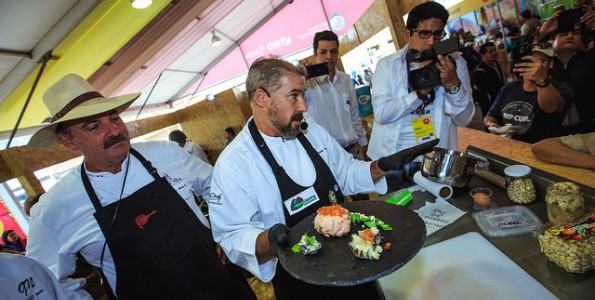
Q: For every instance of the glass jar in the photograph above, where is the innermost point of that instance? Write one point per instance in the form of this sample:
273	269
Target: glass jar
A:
519	185
563	201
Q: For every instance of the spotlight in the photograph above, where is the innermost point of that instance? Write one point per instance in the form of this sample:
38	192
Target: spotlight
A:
140	4
215	41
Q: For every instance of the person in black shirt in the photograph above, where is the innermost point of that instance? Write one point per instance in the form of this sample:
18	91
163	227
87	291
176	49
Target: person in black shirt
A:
487	78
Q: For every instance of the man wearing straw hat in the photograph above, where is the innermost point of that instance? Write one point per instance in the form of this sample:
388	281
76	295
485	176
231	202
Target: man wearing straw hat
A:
128	210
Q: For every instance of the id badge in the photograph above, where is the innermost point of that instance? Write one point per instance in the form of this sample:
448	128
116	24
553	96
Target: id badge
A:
423	129
299	202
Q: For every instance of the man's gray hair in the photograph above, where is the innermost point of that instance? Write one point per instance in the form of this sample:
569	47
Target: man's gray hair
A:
267	73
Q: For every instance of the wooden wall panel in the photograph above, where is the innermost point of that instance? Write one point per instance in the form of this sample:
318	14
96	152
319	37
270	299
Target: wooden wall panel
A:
373	21
204	123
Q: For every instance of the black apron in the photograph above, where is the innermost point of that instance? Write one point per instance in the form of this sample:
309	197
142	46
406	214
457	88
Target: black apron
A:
286	286
160	248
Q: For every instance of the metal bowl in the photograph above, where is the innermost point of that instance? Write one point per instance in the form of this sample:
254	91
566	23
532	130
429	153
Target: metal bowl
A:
448	167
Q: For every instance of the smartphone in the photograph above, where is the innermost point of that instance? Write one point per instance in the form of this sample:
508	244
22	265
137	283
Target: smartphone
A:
572	15
447	46
317	70
519	51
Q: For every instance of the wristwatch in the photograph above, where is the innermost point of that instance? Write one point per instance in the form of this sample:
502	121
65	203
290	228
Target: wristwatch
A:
545	83
453	89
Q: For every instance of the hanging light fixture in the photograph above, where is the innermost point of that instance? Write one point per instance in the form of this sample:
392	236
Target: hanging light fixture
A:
140	4
215	41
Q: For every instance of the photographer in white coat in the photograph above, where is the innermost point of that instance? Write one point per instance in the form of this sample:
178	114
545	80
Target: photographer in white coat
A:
270	163
404	117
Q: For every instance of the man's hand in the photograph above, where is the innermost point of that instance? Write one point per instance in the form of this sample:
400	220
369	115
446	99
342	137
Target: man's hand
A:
532	69
278	237
448	71
399	159
222	256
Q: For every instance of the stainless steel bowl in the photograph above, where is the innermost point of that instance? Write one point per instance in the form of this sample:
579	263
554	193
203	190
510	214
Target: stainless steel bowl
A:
448	167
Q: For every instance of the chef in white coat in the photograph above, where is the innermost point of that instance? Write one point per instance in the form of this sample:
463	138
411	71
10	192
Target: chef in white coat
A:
279	171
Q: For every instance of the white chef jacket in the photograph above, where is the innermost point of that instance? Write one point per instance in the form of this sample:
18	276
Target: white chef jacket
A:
333	105
392	101
245	198
196	150
24	278
62	222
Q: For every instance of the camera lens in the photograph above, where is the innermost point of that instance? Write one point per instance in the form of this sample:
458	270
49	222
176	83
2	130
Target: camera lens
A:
424	78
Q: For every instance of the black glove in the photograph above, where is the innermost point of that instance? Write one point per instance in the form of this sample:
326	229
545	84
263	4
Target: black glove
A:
403	157
278	237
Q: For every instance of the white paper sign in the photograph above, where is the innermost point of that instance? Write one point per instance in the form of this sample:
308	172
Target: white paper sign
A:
438	215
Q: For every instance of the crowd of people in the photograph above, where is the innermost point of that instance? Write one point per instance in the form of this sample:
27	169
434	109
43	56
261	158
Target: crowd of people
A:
130	210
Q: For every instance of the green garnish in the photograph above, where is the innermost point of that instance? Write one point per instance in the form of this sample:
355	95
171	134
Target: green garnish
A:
369	221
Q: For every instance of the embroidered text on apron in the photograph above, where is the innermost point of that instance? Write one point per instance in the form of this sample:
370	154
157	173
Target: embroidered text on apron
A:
286	286
159	246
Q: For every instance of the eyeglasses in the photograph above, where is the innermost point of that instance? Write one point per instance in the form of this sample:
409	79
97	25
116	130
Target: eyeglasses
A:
425	34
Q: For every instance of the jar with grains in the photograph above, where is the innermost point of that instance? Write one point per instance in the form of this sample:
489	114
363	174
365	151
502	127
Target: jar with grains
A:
563	201
519	185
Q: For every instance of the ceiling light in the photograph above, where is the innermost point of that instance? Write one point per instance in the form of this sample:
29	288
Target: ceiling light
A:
140	4
215	41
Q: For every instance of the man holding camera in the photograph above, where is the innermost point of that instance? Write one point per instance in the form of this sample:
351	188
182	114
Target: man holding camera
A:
405	116
331	98
530	109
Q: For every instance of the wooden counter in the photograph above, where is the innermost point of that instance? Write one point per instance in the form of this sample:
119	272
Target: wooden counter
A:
521	152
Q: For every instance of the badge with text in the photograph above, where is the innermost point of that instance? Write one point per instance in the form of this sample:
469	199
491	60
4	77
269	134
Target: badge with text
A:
423	129
300	201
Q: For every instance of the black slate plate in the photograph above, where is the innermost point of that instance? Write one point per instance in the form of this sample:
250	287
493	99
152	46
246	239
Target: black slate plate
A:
335	265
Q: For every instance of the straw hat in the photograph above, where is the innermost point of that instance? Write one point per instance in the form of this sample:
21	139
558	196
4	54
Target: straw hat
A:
72	97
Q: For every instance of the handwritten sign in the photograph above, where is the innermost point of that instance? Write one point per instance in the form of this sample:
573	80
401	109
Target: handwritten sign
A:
439	215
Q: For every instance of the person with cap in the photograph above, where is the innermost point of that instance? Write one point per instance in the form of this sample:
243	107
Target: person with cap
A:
405	116
12	240
128	210
181	139
276	159
530	109
332	100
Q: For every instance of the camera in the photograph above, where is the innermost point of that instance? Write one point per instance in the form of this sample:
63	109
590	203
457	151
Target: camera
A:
317	70
428	77
519	51
568	19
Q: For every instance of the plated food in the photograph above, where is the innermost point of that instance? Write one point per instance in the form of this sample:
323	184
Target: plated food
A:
363	244
332	221
335	221
336	265
308	245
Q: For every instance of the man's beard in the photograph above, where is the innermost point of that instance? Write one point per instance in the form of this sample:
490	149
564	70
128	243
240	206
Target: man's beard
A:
285	130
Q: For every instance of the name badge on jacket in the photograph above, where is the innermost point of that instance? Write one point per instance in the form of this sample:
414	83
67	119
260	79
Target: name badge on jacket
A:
299	202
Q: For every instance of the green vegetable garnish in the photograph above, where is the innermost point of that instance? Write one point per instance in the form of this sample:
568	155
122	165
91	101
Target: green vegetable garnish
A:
369	221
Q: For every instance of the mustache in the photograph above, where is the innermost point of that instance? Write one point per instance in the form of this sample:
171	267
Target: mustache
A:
297	117
114	140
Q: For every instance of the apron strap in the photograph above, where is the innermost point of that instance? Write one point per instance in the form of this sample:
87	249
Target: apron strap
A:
264	149
147	164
